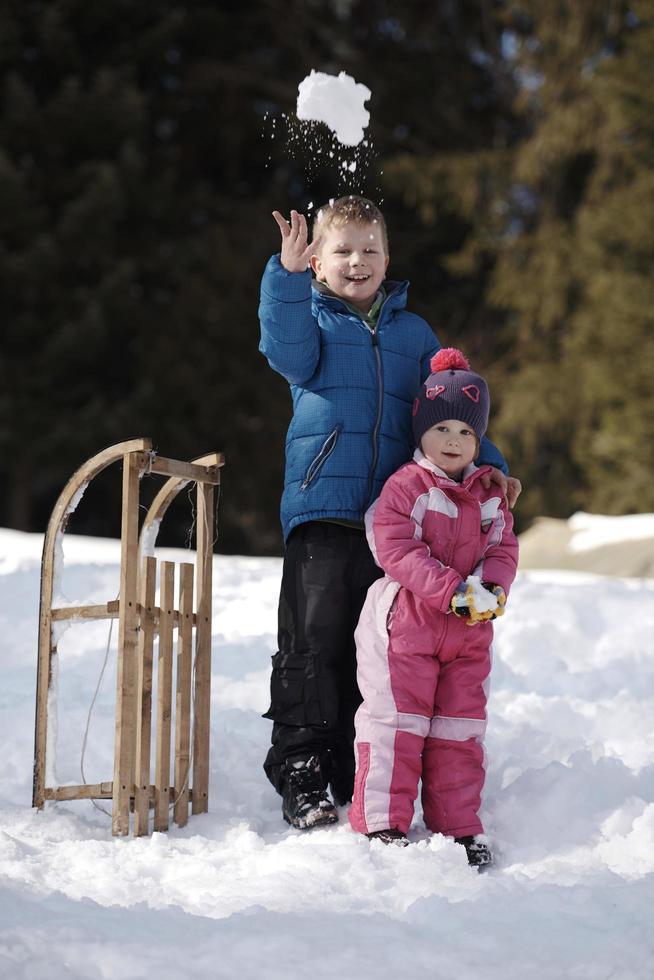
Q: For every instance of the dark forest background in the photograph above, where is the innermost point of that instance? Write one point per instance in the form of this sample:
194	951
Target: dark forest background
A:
512	148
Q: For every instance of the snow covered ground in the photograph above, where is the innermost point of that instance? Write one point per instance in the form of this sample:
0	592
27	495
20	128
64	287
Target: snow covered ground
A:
569	806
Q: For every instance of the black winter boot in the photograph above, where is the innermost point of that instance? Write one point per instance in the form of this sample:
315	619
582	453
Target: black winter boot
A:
478	851
305	803
390	836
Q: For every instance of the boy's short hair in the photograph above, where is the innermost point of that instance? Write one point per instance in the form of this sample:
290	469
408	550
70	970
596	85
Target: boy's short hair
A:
342	210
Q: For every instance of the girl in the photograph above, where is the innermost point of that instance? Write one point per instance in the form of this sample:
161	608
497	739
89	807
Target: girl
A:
449	553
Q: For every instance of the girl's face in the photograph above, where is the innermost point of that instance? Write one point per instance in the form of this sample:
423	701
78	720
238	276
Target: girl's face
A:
450	445
351	260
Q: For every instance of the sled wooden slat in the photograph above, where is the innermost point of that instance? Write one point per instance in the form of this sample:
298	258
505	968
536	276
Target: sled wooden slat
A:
183	702
47	652
87	791
98	791
202	693
164	697
187	471
109	610
126	674
144	699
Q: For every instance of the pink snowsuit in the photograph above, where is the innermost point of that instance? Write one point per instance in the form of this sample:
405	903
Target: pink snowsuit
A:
421	670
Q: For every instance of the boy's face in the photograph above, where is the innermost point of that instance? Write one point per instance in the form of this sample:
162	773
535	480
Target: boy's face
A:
351	260
450	445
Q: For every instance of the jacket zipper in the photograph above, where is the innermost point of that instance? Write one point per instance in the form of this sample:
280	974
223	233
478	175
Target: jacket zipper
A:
380	399
327	448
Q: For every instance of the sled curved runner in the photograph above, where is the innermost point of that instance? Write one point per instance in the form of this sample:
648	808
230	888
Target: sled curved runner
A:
139	621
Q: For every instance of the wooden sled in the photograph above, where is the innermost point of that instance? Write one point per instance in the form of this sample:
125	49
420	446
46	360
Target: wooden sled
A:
139	621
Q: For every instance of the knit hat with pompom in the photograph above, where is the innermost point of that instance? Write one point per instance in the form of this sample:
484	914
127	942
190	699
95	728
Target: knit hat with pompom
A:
452	391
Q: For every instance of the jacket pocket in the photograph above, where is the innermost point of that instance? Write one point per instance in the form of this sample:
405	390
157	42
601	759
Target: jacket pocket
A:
413	625
327	448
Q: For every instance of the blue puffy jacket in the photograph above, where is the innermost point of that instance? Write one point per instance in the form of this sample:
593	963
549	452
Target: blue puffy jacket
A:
352	392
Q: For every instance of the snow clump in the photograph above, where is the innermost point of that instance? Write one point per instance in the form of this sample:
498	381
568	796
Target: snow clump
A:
337	101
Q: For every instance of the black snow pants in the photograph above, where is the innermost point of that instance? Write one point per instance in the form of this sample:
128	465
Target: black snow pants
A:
327	571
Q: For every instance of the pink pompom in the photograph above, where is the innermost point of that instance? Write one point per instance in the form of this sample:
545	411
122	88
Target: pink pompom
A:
449	358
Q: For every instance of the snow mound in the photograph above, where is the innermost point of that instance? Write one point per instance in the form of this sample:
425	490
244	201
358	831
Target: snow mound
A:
605	545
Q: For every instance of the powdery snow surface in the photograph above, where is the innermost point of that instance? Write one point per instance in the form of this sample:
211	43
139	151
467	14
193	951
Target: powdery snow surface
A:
237	894
336	100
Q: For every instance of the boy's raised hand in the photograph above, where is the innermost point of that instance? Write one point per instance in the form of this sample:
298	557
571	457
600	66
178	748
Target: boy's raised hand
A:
295	250
510	486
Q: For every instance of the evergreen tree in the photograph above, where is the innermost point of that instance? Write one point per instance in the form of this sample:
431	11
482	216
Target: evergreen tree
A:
555	250
572	272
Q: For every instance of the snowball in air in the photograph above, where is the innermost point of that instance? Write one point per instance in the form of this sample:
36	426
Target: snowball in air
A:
337	101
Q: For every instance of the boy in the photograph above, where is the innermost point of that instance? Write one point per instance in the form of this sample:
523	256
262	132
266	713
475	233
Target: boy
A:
353	357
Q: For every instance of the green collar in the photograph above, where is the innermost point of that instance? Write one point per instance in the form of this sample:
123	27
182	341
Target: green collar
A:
371	317
373	313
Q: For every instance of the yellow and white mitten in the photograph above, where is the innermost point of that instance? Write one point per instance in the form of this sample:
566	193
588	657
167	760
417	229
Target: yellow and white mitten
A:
500	595
475	603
